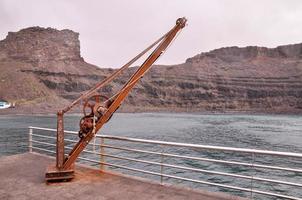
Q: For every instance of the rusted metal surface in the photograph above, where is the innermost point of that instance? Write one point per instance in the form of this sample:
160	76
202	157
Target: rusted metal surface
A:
102	108
57	172
97	105
60	140
120	96
53	174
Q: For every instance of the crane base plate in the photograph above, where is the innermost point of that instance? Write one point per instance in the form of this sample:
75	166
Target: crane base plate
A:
53	174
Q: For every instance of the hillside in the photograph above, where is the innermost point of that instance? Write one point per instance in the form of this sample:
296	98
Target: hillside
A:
42	70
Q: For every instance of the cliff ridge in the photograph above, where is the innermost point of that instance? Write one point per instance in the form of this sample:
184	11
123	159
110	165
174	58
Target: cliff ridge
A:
42	70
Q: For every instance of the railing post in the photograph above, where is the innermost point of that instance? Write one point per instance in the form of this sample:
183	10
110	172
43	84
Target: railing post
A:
93	146
102	152
253	168
30	137
161	167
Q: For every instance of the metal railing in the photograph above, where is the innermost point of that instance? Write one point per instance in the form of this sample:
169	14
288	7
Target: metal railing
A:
34	139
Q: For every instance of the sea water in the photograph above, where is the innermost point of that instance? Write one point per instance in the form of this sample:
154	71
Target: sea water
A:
265	132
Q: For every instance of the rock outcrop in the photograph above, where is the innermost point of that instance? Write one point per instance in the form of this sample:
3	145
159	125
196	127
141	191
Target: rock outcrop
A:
39	66
42	70
37	45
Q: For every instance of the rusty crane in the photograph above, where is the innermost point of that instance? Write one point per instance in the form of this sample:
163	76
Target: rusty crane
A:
98	109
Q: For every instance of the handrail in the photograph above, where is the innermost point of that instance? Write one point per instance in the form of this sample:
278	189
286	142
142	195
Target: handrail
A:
206	159
162	154
208	147
182	167
185	168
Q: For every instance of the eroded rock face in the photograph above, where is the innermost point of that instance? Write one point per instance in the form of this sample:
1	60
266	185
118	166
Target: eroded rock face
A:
38	44
255	79
42	70
233	54
40	65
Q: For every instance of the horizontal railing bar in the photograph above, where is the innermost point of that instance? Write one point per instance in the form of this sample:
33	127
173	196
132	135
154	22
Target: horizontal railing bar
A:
51	129
44	136
120	166
208	147
234	187
276	195
242	150
45	143
74	141
198	170
69	140
50	151
51	137
192	180
206	159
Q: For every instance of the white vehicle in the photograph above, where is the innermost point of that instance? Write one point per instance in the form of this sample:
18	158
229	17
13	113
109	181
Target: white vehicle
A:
4	104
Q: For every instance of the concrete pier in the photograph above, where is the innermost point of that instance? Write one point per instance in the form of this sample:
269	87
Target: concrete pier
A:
22	177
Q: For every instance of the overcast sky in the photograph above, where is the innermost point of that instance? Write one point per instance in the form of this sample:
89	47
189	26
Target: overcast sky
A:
112	32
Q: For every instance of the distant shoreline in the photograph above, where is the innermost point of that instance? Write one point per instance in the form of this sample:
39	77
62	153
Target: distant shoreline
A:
159	112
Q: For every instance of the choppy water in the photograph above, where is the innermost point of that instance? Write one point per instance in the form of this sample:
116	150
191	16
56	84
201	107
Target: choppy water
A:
267	132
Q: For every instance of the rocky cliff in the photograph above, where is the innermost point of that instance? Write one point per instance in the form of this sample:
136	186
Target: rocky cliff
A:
40	67
42	70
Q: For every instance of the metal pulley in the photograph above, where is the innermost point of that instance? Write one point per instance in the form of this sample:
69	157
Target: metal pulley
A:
93	109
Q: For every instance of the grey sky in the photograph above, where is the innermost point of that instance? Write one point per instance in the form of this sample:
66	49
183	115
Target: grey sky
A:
112	32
